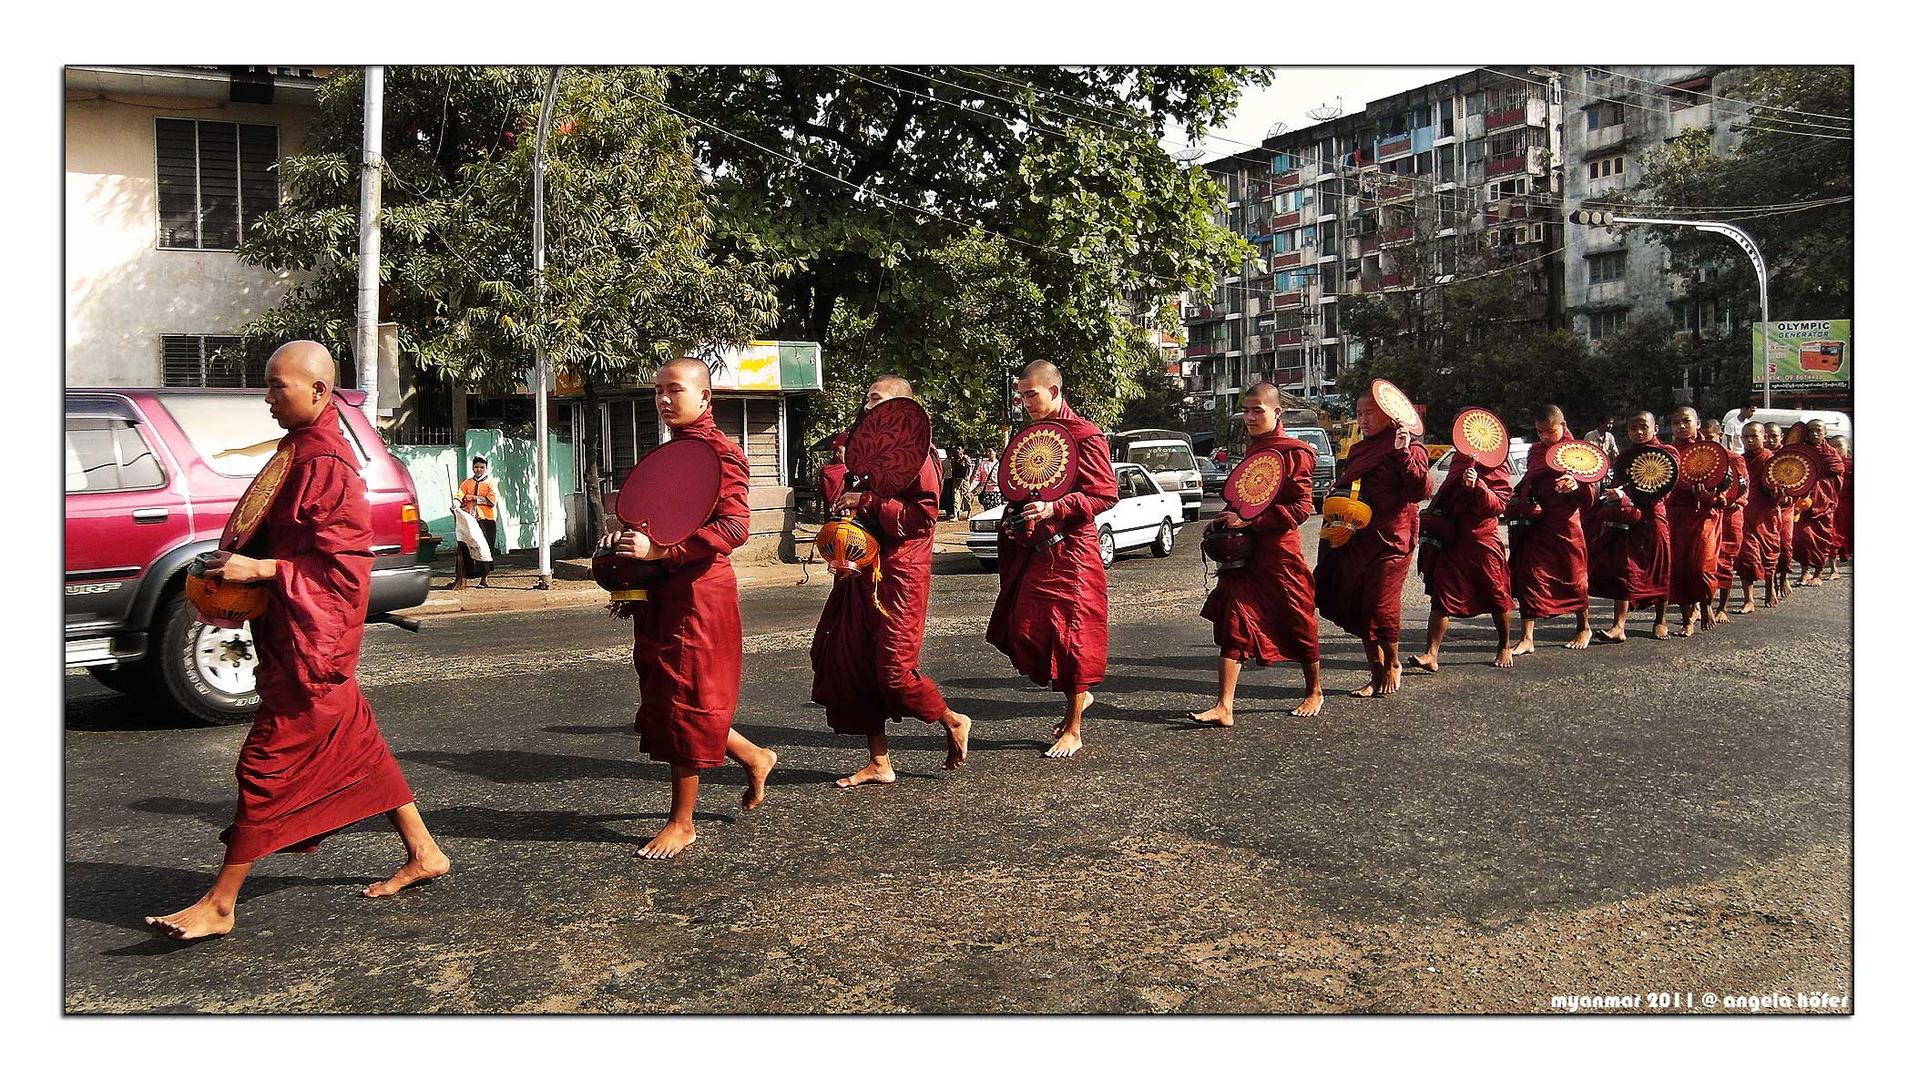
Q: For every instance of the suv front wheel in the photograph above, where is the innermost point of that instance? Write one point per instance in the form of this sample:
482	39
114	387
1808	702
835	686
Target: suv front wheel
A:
206	670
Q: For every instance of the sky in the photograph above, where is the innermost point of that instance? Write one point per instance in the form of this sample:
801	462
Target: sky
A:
1298	89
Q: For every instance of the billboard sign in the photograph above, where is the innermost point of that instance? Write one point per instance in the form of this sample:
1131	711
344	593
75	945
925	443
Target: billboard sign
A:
1808	354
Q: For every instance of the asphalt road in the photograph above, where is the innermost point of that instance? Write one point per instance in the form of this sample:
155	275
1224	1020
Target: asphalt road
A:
1632	819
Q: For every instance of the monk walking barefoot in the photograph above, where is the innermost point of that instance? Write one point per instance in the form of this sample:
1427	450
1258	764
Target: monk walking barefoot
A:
1357	584
314	761
1630	544
1461	556
866	648
1548	539
1262	612
1050	616
687	646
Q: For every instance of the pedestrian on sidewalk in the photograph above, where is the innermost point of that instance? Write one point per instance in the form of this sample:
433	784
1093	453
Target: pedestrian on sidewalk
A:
480	499
986	478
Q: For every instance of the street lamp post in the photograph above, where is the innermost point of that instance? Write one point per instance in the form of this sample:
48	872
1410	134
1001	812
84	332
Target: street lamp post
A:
541	466
1746	244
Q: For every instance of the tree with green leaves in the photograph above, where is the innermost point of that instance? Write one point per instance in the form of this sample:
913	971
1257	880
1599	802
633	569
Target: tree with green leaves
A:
630	279
1036	203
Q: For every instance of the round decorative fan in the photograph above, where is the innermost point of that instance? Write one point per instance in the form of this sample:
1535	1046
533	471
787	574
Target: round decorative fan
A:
1397	406
1646	472
1578	459
1254	483
888	445
1793	469
1038	463
1704	463
1480	435
671	491
252	507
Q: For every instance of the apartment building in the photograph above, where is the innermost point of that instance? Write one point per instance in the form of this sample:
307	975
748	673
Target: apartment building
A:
1403	198
1614	115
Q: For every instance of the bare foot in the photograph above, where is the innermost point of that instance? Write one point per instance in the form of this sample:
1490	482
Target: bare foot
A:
1719	616
1085	703
1746	610
1066	747
1218	714
956	738
1580	640
1524	647
1813	583
1310	706
1659	631
756	775
1425	662
1392	682
1505	658
669	842
203	920
1611	637
1772	601
419	868
1369	690
874	773
1691	625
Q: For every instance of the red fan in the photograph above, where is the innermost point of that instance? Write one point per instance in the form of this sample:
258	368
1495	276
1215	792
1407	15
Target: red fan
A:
1578	459
1794	468
1704	463
1397	406
251	510
888	446
1481	436
671	491
1039	464
1254	483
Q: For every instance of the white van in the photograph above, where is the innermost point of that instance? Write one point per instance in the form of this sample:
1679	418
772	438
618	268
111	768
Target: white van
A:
1168	456
1837	423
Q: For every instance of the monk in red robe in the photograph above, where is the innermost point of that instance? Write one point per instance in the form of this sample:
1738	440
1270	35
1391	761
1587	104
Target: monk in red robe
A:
1694	515
1788	519
1759	547
1463	558
1732	533
686	634
1358	583
1842	517
1814	540
1050	617
1630	547
833	473
866	649
1263	612
314	761
1548	538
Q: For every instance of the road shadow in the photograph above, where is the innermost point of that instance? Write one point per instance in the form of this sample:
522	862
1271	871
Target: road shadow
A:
120	895
546	826
110	711
528	767
211	813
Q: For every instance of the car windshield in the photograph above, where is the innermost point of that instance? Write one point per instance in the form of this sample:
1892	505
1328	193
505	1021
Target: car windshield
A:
1165	457
1314	437
234	433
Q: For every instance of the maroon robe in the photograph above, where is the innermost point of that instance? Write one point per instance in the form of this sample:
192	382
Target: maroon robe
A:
1630	550
314	761
1694	515
866	661
1813	540
832	484
1549	543
1263	611
1732	523
1466	572
1759	545
1358	583
1050	618
1842	517
686	633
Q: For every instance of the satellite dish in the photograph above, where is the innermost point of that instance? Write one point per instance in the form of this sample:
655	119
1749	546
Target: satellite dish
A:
1279	128
1186	155
1326	112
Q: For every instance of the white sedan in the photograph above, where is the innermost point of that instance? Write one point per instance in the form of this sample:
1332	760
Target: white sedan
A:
1144	516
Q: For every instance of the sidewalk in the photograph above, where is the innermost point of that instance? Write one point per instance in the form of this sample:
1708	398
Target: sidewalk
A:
511	586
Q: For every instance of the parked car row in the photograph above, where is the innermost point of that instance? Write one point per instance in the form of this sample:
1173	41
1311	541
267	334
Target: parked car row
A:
1144	516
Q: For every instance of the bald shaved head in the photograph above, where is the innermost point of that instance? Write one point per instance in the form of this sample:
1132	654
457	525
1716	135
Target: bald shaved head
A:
1642	427
887	387
688	369
1039	390
1686	411
1264	392
682	392
1550	424
300	379
1259	409
1549	412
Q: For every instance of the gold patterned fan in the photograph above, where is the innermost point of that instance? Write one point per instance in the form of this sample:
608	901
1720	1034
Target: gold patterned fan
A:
1480	435
1578	459
1257	480
1039	461
252	507
1791	469
1648	471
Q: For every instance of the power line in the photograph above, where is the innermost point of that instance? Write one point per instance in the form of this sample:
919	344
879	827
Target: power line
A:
1648	108
1733	101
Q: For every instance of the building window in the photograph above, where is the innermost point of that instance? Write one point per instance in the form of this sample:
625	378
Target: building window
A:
215	180
210	360
1610	266
1604	115
1604	324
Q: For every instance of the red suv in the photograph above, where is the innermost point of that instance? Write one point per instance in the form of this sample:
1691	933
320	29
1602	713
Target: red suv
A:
151	477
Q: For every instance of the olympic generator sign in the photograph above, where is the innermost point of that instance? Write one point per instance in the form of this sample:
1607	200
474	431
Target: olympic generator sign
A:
1811	354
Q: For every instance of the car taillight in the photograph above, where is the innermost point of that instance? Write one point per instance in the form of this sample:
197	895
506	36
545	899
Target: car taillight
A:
409	513
409	529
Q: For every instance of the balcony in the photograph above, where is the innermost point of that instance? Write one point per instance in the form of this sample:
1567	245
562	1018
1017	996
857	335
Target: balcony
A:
1284	260
1258	343
1395	281
1606	138
1400	235
1394	146
1284	221
1288	180
1395	190
1204	348
1288	300
1505	118
1369	244
1285	338
1199	313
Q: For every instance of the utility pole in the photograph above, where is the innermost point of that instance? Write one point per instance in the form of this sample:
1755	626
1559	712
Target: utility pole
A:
541	466
1746	244
366	337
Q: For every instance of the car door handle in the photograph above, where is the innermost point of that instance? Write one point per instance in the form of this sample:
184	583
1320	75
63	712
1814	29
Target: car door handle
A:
155	513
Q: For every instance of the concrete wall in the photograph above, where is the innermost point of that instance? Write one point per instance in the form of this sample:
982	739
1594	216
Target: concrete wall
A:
123	290
513	467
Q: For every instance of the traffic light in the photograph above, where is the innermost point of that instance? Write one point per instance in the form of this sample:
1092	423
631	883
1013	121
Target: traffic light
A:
1595	218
